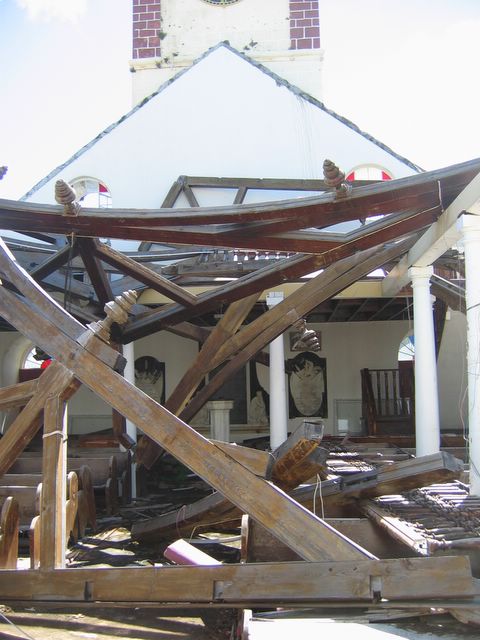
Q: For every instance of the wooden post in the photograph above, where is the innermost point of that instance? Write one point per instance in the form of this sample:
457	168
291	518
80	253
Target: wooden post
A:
52	509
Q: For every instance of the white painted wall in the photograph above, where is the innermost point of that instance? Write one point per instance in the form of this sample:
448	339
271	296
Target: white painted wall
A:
191	27
347	347
452	373
223	117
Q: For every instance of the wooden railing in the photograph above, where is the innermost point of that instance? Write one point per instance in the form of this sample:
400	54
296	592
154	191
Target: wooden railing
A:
387	400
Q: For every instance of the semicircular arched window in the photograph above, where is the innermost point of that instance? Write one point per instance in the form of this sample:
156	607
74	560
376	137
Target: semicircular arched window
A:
369	172
92	193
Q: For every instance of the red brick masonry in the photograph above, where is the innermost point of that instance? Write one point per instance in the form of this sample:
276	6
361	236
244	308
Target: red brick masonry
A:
146	29
304	25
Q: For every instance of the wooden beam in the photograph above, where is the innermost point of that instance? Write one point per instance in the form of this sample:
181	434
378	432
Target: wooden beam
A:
256	583
144	274
440	237
147	452
16	395
382	198
54	262
269	276
261	332
12	272
9	524
53	536
56	379
311	538
98	277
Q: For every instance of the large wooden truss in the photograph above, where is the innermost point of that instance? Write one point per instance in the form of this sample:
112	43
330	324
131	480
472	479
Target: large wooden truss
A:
335	568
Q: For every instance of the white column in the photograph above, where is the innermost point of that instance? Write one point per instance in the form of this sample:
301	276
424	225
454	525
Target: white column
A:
129	375
427	421
219	411
278	390
471	240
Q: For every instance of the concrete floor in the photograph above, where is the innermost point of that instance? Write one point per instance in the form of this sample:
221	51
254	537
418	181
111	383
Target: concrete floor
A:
431	628
101	624
158	624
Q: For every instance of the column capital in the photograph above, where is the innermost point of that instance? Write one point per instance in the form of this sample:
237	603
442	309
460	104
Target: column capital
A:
416	274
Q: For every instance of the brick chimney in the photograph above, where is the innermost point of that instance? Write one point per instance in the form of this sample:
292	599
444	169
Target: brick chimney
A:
146	29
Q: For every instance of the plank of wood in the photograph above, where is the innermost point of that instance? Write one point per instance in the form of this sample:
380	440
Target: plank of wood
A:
290	522
56	379
16	395
258	583
145	275
270	276
9	523
53	517
95	270
54	262
299	458
12	272
26	498
276	321
21	479
147	452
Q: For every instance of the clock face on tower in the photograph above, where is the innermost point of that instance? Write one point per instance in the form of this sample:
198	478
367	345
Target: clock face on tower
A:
220	3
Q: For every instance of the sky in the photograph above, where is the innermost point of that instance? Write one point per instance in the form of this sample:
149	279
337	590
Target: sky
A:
404	71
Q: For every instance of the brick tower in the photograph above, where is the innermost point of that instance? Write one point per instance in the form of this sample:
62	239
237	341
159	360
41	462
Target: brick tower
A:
168	36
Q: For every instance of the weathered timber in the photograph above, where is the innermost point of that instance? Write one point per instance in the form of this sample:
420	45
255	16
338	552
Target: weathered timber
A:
289	521
380	198
236	313
12	272
299	458
258	545
9	523
216	512
16	395
53	524
56	379
362	581
95	270
274	322
269	276
256	460
144	274
49	549
55	261
416	472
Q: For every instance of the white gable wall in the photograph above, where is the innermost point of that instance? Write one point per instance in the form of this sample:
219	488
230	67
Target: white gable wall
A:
223	117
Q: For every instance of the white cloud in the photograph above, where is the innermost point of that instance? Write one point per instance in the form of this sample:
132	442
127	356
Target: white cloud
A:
67	10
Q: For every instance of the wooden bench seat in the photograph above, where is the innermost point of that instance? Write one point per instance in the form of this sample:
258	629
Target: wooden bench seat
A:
9	524
21	509
110	474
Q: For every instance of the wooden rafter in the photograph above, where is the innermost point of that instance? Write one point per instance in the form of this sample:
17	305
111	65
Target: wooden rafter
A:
312	538
88	250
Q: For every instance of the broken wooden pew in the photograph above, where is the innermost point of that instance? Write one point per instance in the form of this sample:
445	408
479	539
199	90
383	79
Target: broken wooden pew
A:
103	469
9	524
338	496
86	511
23	506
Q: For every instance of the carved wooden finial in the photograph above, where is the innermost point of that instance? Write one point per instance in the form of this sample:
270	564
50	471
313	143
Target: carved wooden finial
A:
335	178
117	311
64	194
3	171
308	338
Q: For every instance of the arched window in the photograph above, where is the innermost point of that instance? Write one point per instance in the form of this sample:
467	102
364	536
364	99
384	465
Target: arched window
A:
34	363
92	193
406	349
369	172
